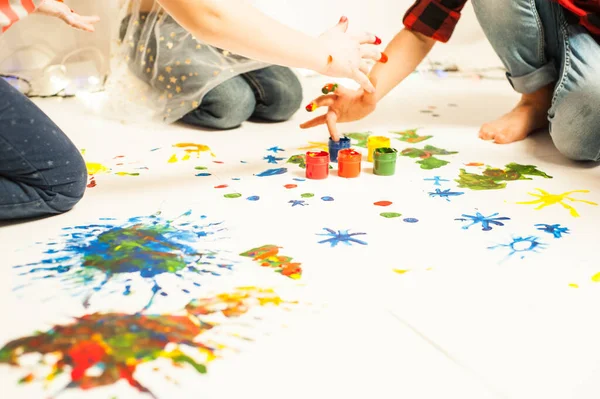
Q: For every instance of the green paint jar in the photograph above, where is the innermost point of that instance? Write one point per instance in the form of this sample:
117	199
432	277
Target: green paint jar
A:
384	161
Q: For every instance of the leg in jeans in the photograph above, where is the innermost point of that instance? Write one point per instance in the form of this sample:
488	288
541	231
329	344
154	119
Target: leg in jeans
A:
41	171
278	93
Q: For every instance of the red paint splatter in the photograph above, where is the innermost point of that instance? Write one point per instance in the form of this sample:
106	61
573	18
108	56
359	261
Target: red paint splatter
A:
218	162
425	155
221	186
288	186
382	203
120	164
84	355
92	183
119	156
474	164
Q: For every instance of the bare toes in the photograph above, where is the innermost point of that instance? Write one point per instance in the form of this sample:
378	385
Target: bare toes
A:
486	133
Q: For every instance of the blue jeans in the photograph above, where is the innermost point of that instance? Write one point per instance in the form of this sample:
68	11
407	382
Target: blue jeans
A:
538	47
270	94
42	173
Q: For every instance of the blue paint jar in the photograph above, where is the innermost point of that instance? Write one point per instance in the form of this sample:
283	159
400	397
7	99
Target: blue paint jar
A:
336	146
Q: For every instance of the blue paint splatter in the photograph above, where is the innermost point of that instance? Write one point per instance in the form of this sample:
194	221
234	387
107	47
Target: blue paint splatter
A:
297	202
243	162
299	179
272	172
253	198
97	258
340	236
155	149
486	221
235	178
445	194
327	199
272	159
521	246
436	180
275	149
203	174
555	229
411	220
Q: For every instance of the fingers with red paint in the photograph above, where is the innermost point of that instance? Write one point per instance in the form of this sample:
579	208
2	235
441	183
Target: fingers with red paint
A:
384	58
329	88
322	101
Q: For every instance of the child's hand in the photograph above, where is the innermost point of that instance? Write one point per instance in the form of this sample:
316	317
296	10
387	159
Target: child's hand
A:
58	9
348	54
344	106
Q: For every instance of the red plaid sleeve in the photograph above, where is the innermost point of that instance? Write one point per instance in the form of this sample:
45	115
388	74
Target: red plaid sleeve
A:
434	18
586	11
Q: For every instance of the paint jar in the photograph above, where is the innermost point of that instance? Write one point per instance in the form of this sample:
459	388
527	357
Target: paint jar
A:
384	161
336	146
317	165
349	163
376	142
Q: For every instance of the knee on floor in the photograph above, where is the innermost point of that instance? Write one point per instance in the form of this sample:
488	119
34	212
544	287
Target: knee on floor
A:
285	99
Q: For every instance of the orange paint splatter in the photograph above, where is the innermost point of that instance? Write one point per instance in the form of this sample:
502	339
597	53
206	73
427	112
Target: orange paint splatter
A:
219	162
222	186
288	186
474	164
382	203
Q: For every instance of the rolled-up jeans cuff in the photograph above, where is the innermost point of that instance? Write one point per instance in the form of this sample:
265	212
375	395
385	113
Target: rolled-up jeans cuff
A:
535	80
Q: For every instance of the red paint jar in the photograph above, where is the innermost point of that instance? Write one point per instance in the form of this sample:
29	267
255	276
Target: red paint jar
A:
349	162
317	165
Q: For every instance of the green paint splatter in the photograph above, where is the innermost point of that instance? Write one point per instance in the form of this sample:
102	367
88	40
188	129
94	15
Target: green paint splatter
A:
200	168
390	215
495	178
410	136
307	195
233	195
360	138
428	161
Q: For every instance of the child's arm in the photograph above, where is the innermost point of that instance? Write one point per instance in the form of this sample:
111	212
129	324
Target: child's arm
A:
237	26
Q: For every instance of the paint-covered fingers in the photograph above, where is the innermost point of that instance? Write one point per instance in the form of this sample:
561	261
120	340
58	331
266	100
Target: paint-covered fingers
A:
322	101
368	38
331	120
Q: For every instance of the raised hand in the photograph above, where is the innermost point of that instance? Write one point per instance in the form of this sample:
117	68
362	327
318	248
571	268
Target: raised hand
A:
58	9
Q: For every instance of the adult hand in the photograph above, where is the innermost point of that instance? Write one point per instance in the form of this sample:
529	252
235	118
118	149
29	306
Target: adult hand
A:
58	9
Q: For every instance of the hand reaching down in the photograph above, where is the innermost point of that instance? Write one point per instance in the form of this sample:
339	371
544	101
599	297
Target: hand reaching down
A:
58	9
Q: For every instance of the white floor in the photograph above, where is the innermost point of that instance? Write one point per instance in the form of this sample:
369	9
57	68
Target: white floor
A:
423	310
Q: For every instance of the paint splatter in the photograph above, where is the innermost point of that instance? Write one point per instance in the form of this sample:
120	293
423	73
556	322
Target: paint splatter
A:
203	174
521	246
340	236
219	162
382	203
445	194
290	186
108	257
95	168
545	199
297	203
268	256
360	139
222	186
272	172
200	168
126	174
436	180
313	145
390	215
272	159
474	164
411	220
232	195
572	285
495	179
428	161
275	149
485	221
410	136
327	199
253	198
307	195
100	349
596	278
555	229
401	271
299	179
189	149
92	182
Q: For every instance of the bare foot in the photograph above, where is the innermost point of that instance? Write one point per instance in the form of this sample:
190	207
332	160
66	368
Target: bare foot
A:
530	114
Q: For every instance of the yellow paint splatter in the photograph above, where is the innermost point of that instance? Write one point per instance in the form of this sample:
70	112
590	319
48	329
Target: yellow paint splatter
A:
173	158
546	199
192	148
316	145
94	168
400	271
185	157
596	278
573	285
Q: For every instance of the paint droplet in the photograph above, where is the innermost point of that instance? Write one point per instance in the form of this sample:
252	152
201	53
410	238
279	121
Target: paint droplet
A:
272	172
219	162
200	168
221	186
203	174
253	198
400	271
411	220
299	179
390	215
327	198
288	186
572	285
596	278
307	195
382	203
235	178
233	195
92	183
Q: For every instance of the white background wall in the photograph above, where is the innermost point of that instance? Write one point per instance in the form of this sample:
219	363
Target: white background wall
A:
467	49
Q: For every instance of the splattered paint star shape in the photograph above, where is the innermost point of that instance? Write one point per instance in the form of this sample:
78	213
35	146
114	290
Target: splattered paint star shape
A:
485	221
275	149
521	246
446	194
297	203
340	236
272	159
545	199
555	229
436	180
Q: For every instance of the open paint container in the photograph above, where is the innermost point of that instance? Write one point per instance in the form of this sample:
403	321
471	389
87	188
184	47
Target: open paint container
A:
317	165
336	146
349	162
384	161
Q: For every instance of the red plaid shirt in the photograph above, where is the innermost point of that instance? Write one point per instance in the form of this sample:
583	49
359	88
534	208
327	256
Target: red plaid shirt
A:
437	18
